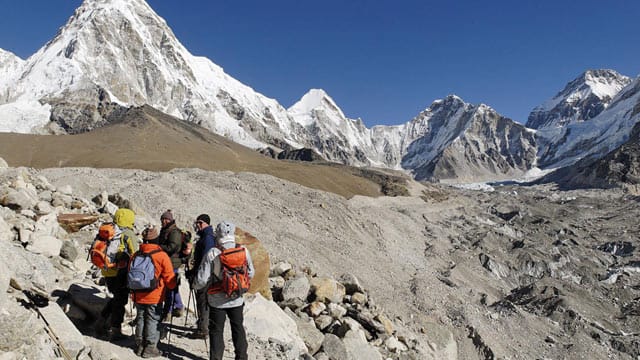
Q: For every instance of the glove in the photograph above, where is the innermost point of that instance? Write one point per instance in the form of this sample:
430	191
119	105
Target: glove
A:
190	275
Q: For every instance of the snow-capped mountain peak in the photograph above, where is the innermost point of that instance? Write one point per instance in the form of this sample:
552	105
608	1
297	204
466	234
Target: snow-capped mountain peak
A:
315	100
582	99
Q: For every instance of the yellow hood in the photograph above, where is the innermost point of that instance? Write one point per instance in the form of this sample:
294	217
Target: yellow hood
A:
124	218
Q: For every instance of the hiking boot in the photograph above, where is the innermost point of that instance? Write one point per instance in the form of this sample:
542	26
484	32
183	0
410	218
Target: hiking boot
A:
115	334
139	347
199	334
139	350
177	312
151	351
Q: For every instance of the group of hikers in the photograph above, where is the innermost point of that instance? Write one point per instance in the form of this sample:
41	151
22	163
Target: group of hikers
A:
217	269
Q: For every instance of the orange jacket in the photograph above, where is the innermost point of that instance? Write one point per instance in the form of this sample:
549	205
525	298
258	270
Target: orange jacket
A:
164	274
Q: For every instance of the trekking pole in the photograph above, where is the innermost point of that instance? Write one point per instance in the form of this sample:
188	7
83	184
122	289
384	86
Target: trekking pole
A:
33	303
186	315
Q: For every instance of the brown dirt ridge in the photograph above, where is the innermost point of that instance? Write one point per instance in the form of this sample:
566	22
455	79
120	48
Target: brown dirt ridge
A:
147	139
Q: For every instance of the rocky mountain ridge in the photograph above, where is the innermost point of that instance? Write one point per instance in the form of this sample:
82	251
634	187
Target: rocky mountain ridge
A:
88	70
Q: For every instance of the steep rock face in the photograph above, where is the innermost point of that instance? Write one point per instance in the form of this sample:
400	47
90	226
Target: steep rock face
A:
469	143
582	99
619	168
563	117
129	54
10	65
565	145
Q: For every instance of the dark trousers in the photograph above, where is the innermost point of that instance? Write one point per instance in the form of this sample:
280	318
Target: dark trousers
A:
117	285
203	310
217	318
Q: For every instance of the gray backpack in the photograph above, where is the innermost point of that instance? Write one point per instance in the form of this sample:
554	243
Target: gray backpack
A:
142	272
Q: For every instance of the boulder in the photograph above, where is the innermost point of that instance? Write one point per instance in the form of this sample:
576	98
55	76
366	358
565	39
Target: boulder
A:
394	345
327	290
74	222
334	348
261	263
89	298
351	283
357	346
17	200
5	231
69	251
3	164
69	336
265	320
311	336
48	225
280	268
296	288
45	245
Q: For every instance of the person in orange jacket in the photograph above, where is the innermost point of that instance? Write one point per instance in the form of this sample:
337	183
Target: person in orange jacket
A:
149	303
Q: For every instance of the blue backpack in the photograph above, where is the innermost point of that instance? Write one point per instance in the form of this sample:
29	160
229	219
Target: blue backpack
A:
142	272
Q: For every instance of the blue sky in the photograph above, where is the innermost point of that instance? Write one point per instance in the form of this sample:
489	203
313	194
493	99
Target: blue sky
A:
384	61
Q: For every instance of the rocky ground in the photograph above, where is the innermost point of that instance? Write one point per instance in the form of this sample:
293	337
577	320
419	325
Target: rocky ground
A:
514	273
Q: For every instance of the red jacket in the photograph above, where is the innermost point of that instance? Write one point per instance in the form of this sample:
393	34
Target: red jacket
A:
164	274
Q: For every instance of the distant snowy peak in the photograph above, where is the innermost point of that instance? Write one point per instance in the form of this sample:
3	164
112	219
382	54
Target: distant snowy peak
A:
314	100
463	142
582	99
10	66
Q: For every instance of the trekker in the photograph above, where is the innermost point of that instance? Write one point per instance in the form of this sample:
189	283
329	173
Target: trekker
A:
116	278
205	243
210	276
171	242
148	303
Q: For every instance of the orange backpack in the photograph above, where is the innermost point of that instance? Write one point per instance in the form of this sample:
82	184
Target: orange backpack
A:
235	273
100	249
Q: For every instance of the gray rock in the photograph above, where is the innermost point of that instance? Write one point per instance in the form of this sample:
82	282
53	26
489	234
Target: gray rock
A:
60	324
43	208
62	200
6	235
323	321
3	164
45	245
327	290
337	311
358	347
65	189
90	298
296	288
46	195
334	348
17	200
351	283
265	320
280	268
316	308
311	336
359	298
110	208
394	345
276	282
69	251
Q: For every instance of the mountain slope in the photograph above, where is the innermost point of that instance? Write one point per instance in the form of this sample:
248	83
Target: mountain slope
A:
144	138
562	146
619	168
577	114
464	142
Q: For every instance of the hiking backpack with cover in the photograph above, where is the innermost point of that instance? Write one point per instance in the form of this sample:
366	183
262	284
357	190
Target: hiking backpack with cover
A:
142	272
235	279
103	250
186	244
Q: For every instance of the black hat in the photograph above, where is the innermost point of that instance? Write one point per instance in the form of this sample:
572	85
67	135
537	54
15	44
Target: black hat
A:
204	218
